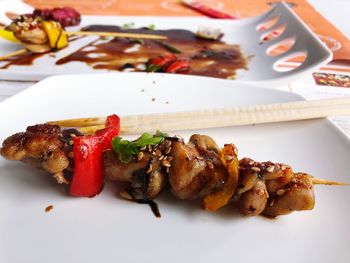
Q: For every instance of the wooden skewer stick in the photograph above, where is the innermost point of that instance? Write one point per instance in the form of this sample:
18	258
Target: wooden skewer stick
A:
202	119
115	34
326	182
12	54
80	122
112	34
90	130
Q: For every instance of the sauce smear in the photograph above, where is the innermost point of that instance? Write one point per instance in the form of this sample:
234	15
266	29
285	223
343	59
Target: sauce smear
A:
213	58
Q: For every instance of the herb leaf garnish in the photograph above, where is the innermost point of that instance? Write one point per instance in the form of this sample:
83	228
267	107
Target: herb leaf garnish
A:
126	149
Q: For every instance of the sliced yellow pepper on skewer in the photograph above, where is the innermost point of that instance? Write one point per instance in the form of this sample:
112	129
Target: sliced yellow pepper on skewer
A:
57	36
8	35
216	200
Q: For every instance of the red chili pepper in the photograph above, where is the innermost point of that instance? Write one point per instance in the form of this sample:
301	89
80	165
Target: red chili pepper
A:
178	66
88	176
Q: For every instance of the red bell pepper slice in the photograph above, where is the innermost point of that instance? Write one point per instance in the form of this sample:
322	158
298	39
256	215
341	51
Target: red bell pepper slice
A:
178	66
162	60
107	134
157	63
88	177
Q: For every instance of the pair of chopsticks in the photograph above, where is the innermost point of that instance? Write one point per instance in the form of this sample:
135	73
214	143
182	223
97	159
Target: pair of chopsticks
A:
213	118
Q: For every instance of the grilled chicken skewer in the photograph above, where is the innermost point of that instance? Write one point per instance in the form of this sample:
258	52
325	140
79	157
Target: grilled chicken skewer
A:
37	35
41	36
198	169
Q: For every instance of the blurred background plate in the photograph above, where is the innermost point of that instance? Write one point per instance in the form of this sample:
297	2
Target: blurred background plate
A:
269	40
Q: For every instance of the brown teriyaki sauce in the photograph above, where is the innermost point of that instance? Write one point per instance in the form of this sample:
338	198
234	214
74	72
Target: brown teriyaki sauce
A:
213	58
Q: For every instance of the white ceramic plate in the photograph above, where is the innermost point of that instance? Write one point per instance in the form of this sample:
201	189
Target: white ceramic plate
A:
243	32
108	229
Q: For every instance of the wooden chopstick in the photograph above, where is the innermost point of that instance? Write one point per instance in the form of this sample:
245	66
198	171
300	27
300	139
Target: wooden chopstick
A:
224	117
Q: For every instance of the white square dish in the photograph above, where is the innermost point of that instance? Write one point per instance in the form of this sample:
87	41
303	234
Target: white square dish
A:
109	229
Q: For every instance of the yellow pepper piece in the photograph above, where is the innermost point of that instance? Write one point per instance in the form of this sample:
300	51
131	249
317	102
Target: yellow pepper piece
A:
8	35
219	199
57	36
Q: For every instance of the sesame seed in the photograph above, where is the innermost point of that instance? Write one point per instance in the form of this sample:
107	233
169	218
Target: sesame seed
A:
167	170
72	135
140	156
251	163
210	164
70	142
280	192
272	202
158	152
255	169
161	157
165	163
261	192
149	169
270	169
167	150
169	158
143	148
228	157
168	143
283	167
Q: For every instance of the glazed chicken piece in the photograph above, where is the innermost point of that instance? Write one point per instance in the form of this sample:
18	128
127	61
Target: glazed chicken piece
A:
29	31
297	195
38	35
196	168
146	173
193	170
42	146
272	189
